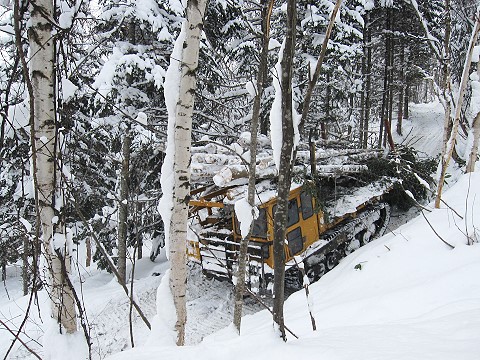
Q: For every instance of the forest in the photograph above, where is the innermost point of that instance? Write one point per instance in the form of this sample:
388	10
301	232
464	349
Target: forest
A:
139	133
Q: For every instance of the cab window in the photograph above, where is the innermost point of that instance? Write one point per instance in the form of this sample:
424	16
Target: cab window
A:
306	203
260	225
292	212
295	241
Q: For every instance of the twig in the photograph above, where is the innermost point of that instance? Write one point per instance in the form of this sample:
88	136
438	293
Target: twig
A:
21	341
429	224
307	292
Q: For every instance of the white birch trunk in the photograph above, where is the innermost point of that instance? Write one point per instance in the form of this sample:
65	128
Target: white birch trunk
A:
450	145
472	159
45	151
181	161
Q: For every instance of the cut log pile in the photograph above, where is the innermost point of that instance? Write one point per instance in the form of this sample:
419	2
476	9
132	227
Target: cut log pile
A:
227	165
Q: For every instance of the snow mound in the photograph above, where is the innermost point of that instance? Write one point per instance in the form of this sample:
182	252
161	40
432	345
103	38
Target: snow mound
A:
404	296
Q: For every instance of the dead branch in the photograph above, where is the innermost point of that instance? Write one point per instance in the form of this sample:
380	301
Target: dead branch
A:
431	227
17	337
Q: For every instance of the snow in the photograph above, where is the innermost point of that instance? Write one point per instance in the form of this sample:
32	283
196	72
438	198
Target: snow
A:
245	215
141	118
368	5
65	20
423	130
476	54
412	298
251	88
172	82
273	44
57	345
163	324
404	296
276	135
68	89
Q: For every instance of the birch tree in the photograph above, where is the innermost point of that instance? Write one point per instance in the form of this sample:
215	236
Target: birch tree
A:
47	171
473	156
176	236
450	137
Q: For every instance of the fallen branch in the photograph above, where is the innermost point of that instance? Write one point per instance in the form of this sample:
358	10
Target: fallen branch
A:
429	224
17	336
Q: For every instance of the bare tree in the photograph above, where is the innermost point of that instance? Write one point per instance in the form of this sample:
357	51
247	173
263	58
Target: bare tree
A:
285	166
267	6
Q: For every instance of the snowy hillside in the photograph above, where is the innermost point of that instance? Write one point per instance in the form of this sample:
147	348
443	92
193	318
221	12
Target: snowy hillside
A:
404	296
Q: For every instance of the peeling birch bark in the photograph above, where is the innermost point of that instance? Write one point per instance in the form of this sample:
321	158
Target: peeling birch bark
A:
181	163
45	149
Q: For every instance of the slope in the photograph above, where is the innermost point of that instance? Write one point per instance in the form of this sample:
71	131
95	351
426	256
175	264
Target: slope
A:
404	296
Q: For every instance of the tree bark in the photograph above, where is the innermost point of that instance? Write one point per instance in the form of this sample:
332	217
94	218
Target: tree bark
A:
368	84
267	6
181	164
47	167
472	159
450	136
284	177
386	87
405	102
123	207
25	264
401	93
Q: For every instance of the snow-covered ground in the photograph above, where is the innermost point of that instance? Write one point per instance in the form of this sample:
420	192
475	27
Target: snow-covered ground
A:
404	296
424	128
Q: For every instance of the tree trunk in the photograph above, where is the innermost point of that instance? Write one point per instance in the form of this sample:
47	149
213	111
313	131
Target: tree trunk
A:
449	145
46	166
386	87
138	236
123	207
181	164
472	159
267	7
368	84
25	264
388	125
88	246
405	102
401	92
285	166
363	106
